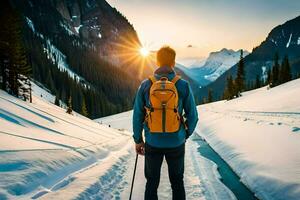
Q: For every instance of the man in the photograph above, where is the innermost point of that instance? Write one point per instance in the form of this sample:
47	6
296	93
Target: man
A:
165	128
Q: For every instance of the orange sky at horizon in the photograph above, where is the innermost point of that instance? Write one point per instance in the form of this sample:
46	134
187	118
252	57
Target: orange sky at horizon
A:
205	25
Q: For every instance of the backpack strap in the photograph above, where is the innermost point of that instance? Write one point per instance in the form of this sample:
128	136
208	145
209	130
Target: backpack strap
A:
152	79
175	79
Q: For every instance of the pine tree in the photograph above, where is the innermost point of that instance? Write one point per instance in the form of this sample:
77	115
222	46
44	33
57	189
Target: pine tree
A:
5	15
56	102
210	96
269	78
240	78
257	82
275	71
84	110
69	105
229	92
30	92
285	72
15	68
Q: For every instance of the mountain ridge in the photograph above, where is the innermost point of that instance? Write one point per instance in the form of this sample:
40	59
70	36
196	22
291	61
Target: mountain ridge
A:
73	44
261	58
215	65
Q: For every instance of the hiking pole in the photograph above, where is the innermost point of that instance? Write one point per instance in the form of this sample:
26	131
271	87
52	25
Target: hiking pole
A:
136	159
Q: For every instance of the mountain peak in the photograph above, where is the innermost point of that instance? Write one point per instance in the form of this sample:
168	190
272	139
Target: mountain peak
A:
284	38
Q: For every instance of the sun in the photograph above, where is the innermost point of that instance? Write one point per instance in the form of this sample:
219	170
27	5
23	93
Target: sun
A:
144	52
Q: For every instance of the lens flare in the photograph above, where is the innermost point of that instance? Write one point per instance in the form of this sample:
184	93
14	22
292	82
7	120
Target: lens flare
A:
132	58
144	52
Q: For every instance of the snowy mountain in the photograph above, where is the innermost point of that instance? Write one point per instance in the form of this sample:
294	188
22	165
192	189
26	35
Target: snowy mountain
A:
283	39
74	44
215	65
191	62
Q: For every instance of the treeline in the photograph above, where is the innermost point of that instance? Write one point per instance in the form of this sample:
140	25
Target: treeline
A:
104	90
276	75
15	69
280	73
235	87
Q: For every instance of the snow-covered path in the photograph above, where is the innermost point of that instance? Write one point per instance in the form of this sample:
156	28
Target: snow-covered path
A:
202	181
48	154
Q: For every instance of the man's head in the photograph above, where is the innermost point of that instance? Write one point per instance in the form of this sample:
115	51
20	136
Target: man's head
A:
166	57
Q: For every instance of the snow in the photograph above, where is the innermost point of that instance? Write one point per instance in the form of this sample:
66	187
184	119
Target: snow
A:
298	41
99	35
275	42
48	153
264	73
42	92
288	43
202	180
215	65
67	29
220	62
60	156
77	28
30	24
192	62
56	56
258	136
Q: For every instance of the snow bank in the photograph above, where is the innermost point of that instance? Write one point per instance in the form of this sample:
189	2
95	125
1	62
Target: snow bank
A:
44	150
259	136
202	180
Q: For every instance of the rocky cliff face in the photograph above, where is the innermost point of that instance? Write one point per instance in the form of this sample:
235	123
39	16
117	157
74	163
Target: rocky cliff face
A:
80	48
92	23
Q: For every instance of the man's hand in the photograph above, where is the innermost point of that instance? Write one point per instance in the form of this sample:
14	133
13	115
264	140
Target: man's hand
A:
140	148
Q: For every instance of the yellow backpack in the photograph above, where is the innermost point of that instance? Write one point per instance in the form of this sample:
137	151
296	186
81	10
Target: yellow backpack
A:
163	115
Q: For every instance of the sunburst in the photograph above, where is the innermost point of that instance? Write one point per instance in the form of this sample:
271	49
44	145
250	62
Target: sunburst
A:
134	55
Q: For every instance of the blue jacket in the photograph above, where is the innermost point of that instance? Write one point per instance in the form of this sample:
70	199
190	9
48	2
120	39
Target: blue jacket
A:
186	103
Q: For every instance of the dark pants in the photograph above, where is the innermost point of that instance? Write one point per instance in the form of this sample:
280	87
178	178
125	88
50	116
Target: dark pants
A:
175	160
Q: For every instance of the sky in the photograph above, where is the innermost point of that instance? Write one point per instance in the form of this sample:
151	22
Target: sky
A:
194	28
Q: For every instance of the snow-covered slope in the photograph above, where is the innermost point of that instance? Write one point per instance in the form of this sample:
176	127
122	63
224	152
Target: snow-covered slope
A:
215	65
202	180
259	136
46	153
191	62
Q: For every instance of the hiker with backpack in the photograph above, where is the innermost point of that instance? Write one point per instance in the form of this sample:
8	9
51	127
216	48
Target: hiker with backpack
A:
158	110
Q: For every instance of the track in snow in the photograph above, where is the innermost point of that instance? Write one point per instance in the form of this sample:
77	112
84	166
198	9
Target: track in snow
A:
202	180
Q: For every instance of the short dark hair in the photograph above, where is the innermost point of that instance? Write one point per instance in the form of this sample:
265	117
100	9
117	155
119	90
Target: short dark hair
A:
165	56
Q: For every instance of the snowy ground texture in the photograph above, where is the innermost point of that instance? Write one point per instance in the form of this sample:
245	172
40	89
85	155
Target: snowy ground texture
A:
48	154
259	137
202	180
